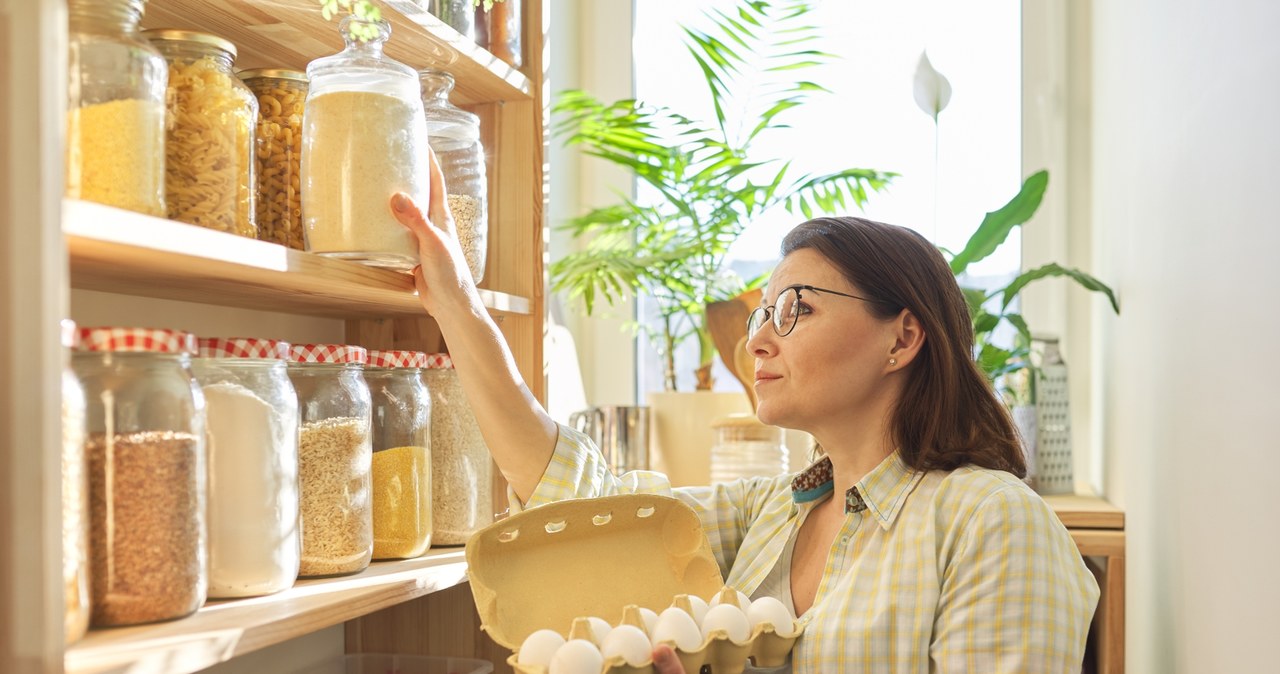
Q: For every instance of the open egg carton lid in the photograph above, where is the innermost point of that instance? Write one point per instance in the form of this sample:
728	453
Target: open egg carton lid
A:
552	566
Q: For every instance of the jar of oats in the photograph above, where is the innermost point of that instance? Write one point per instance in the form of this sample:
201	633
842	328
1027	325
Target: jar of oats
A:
75	498
455	136
115	108
251	414
278	153
209	169
401	454
146	466
334	458
461	469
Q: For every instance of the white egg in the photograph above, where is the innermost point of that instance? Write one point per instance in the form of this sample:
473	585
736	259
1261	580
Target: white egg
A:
600	629
770	611
676	626
577	656
730	620
538	648
699	608
743	600
630	642
650	618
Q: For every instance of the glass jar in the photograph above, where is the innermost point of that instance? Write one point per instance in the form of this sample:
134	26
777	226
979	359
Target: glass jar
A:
147	477
455	137
209	172
364	139
251	414
115	108
461	469
459	14
278	153
334	457
504	32
401	454
75	498
746	447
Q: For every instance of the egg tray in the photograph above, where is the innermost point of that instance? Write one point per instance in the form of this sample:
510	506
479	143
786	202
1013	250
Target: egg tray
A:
547	567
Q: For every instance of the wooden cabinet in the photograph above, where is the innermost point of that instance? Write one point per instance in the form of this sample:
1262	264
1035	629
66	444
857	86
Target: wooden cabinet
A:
52	245
1097	527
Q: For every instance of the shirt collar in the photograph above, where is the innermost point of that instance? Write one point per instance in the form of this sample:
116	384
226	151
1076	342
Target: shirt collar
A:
882	491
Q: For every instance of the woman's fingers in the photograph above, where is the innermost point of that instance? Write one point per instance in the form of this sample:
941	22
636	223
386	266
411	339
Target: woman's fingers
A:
438	202
665	661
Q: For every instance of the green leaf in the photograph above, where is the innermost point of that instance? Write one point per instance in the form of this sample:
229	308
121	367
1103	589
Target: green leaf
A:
1021	325
997	224
1053	269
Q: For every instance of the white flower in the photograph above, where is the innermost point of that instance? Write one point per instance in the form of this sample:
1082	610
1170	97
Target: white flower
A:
932	90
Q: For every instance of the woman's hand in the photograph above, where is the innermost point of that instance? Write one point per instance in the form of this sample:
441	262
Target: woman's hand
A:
665	661
442	277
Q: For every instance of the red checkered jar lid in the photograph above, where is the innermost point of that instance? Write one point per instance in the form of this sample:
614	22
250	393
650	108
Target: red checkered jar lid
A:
415	359
140	340
243	347
438	361
70	335
335	354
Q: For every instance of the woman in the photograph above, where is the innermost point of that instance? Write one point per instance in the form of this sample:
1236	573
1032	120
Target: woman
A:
911	545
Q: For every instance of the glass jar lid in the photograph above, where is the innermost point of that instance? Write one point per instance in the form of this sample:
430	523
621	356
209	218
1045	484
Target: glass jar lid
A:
334	354
445	119
243	347
361	65
272	73
193	37
139	340
438	361
407	359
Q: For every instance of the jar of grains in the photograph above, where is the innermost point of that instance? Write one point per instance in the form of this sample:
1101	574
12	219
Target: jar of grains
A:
746	447
278	153
146	458
364	139
401	454
209	171
75	498
334	457
461	469
455	137
115	109
251	414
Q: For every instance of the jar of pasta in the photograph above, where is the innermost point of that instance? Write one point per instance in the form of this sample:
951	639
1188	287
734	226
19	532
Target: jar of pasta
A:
455	137
75	498
461	469
278	153
115	108
209	171
364	139
334	457
401	454
251	413
146	464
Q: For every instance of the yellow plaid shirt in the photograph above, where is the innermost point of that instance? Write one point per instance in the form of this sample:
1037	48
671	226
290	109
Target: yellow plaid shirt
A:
962	571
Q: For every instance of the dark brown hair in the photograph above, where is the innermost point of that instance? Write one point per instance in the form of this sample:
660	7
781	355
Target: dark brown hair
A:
949	415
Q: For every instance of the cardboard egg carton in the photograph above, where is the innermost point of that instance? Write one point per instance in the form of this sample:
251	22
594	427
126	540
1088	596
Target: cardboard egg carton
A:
549	567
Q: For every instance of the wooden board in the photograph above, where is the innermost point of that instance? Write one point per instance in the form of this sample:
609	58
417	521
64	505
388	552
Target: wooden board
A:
224	629
118	251
292	33
1086	512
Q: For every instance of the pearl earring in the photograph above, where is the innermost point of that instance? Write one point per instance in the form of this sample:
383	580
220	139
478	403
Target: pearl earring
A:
893	361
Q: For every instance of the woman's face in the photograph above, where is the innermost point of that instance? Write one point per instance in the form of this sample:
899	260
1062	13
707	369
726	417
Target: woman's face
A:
833	362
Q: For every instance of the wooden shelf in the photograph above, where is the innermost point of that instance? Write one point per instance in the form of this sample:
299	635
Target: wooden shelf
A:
292	33
225	629
1081	511
114	250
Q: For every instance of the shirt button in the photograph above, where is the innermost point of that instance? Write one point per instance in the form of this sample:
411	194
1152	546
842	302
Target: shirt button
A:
844	540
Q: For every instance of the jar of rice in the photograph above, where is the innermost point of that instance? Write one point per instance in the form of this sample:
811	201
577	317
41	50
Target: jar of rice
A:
461	468
455	137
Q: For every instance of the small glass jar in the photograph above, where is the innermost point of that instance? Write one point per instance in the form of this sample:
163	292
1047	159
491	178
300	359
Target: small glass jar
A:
746	447
504	28
455	137
75	498
209	171
278	153
146	457
115	108
364	139
461	468
334	457
458	14
251	413
401	454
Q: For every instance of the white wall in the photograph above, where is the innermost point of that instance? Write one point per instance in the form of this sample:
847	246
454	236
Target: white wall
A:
1185	160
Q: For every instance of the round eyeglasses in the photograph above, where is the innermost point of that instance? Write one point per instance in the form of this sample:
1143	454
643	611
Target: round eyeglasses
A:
787	308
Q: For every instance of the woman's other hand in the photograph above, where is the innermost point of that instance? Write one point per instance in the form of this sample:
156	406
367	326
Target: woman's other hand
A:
442	277
666	662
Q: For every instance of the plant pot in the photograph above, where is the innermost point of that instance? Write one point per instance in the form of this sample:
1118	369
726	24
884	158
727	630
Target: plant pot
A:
682	431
